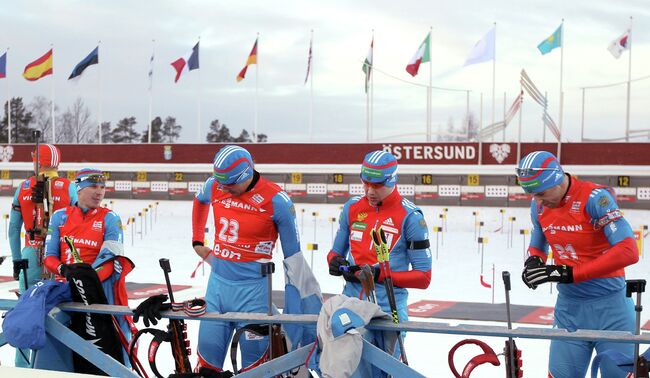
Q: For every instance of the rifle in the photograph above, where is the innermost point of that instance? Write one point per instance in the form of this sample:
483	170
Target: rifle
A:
177	329
512	353
42	210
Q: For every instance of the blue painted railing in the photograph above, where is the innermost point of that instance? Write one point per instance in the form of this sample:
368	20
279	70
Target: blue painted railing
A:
297	358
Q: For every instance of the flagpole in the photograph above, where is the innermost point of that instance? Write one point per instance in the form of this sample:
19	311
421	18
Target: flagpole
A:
311	86
367	113
429	89
582	118
478	136
629	84
372	88
153	52
198	100
543	124
257	64
99	95
467	113
561	115
521	111
503	136
494	70
8	101
52	98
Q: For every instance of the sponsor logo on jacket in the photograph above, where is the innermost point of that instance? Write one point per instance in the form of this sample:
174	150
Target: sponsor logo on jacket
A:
565	227
230	203
82	242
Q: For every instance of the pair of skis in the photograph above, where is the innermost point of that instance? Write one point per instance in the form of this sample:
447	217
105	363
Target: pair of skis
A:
382	250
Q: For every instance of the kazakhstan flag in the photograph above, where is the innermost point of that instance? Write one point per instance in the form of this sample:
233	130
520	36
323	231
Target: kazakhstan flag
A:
552	42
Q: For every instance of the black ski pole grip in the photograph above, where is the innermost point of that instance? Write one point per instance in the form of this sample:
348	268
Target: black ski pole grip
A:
382	235
506	279
164	264
634	286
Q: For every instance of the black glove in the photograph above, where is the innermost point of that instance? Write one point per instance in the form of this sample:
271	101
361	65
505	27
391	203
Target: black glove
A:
150	309
536	273
38	192
336	263
377	273
63	270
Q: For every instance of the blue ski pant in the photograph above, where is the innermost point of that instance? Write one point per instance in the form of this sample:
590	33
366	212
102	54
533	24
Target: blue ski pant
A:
222	296
613	312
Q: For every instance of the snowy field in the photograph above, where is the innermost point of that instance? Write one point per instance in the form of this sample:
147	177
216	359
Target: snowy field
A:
455	277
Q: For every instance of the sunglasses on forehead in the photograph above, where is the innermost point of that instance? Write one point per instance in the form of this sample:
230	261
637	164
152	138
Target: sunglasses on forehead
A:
525	172
96	178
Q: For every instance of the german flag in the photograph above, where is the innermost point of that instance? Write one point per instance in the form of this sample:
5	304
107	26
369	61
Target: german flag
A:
39	68
252	59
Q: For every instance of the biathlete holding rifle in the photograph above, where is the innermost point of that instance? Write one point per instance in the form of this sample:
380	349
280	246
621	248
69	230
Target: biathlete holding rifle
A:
405	229
249	214
44	188
592	244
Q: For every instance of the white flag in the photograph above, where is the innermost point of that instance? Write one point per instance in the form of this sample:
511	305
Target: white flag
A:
620	44
483	50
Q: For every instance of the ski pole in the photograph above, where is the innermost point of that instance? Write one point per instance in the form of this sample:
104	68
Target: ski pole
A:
511	356
267	271
638	287
381	247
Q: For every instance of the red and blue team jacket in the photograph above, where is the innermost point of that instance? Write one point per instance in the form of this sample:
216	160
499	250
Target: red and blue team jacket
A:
587	232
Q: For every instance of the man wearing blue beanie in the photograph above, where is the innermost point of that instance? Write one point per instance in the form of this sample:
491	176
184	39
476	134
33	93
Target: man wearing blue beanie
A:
405	228
250	213
592	244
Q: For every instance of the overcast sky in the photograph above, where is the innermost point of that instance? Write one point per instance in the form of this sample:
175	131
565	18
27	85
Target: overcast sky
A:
342	34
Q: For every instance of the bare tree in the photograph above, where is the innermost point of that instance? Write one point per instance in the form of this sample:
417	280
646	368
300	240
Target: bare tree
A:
41	109
76	124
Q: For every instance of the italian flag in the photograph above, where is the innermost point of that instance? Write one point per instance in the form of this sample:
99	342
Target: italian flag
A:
420	56
367	64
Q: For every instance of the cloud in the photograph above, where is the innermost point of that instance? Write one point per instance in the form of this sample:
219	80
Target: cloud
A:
342	33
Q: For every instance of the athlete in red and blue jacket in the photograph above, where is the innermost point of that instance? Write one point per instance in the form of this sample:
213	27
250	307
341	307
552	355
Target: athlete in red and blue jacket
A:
250	213
406	233
96	233
592	244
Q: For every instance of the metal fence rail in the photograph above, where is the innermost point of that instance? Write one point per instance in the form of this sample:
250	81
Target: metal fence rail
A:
296	358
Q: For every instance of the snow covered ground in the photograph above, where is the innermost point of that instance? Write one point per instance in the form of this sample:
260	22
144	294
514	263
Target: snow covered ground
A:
455	276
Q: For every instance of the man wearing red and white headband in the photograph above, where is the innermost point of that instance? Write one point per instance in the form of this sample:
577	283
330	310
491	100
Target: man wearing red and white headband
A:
57	192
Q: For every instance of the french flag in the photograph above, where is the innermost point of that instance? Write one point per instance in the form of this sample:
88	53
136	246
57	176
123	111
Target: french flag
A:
187	63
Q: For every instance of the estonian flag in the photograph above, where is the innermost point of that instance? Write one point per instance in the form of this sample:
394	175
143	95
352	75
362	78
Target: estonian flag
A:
92	58
186	63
